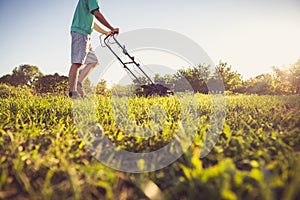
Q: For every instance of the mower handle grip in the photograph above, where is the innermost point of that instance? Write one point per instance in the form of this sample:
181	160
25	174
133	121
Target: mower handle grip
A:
109	36
115	40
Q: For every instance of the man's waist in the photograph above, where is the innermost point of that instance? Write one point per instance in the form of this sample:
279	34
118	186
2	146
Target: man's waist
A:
84	31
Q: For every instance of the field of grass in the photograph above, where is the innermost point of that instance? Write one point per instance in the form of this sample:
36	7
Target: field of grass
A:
256	155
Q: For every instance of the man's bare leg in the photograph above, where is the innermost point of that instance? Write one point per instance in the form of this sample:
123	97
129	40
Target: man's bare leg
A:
73	77
83	75
86	71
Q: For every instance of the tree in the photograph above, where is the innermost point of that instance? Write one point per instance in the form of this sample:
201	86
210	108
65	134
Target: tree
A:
6	79
281	81
261	84
232	80
195	77
54	84
25	75
167	80
101	88
295	77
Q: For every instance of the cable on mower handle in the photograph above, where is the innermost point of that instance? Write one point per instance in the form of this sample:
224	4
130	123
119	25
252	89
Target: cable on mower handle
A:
107	44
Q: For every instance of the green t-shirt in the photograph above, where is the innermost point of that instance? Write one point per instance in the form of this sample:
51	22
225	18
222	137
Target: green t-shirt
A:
83	18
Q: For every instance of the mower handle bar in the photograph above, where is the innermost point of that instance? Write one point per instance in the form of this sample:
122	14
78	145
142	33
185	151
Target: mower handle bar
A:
106	42
118	43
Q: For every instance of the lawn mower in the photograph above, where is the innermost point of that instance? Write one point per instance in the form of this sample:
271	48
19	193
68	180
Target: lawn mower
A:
138	75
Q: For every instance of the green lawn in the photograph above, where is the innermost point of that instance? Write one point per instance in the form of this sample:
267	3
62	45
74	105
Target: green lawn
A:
256	155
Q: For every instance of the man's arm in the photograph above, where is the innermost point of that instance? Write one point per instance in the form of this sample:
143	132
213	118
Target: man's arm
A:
100	30
103	21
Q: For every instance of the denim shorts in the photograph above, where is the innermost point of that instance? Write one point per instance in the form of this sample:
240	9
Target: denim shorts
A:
81	49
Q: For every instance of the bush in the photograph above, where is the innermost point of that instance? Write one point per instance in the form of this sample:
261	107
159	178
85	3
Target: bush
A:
12	91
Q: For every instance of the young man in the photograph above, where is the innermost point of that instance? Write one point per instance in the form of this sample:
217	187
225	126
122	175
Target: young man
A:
81	49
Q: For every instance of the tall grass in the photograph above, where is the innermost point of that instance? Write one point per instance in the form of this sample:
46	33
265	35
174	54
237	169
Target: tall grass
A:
255	157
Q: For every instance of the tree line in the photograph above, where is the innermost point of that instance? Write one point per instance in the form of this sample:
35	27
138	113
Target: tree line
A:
280	81
31	77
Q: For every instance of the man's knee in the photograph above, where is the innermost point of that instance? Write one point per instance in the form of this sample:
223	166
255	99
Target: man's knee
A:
95	64
76	65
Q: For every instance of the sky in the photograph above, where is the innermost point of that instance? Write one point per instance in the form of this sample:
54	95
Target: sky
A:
250	35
